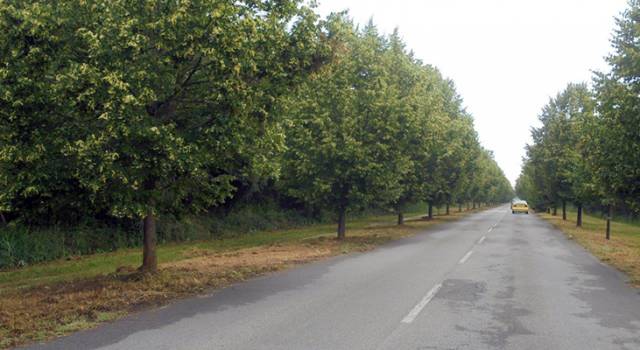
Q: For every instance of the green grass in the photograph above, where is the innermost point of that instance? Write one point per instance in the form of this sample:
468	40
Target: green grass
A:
595	222
106	263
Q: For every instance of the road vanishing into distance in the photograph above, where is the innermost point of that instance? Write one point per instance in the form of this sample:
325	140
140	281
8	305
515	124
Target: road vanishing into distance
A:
491	280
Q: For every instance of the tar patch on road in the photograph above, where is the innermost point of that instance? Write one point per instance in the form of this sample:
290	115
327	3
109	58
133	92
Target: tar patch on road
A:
505	323
505	317
462	290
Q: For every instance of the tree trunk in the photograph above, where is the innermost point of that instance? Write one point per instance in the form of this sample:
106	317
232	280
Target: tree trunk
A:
447	212
430	211
467	206
459	207
548	210
579	220
149	257
3	219
555	211
609	217
400	218
564	210
342	227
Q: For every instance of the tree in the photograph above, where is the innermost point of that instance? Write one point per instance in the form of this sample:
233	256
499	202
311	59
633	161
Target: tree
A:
489	183
138	110
341	153
580	109
448	143
144	108
462	150
587	149
552	141
437	135
615	141
558	167
406	77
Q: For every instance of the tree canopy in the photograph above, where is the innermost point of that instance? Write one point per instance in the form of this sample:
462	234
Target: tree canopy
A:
147	109
586	151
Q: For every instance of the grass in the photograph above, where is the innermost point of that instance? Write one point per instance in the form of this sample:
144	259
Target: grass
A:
44	301
623	249
104	263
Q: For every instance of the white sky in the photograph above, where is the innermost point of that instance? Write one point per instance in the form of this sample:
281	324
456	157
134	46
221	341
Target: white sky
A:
507	57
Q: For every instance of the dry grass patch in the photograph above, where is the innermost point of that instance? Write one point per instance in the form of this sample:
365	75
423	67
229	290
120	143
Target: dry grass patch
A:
622	251
36	311
53	310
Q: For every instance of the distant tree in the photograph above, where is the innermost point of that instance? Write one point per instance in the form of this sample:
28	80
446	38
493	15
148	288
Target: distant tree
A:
493	185
528	184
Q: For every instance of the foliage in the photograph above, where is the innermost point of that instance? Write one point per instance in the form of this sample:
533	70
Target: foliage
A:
341	149
117	111
377	127
138	109
586	151
615	145
557	169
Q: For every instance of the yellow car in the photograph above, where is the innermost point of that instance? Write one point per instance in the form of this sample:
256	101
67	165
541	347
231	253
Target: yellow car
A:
520	207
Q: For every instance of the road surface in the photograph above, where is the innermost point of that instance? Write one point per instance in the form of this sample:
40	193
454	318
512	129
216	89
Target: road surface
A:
492	280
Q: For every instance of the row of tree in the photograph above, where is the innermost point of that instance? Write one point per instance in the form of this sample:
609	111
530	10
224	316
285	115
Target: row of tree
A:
375	125
143	109
587	151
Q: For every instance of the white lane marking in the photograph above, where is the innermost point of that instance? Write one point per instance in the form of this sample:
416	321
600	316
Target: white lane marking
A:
416	309
465	257
482	239
490	229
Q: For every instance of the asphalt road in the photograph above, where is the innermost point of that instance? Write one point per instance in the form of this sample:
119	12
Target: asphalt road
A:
492	280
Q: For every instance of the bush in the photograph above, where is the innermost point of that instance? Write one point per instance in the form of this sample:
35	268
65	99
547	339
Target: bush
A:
22	245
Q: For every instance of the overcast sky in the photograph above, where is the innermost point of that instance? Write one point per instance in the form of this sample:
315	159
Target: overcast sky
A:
507	57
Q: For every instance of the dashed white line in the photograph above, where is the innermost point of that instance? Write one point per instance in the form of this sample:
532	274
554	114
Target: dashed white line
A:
432	293
490	229
465	257
416	309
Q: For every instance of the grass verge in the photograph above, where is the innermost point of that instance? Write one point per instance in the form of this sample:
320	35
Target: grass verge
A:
622	251
44	301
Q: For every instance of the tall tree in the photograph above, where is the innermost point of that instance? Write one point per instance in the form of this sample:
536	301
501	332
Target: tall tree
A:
558	165
144	107
615	142
420	111
580	109
444	142
341	153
